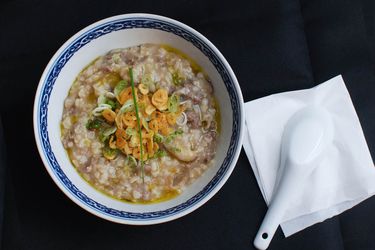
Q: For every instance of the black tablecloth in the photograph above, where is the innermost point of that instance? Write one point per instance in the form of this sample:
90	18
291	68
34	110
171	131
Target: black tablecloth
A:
273	46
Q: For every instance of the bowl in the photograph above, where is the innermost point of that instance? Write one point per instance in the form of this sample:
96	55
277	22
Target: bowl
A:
120	32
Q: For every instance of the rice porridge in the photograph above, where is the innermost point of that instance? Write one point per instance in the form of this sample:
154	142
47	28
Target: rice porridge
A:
140	124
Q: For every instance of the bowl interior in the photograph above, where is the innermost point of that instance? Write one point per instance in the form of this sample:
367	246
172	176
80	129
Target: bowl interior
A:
123	39
121	32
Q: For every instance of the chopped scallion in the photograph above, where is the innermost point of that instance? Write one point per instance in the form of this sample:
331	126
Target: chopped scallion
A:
120	87
130	131
177	80
160	153
173	135
158	138
109	153
138	122
173	103
93	124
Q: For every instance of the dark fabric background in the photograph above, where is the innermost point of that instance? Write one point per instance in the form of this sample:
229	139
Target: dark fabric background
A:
272	46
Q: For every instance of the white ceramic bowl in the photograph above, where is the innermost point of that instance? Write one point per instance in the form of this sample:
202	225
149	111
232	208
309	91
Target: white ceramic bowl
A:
120	32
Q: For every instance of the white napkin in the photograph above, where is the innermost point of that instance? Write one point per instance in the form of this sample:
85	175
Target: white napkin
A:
342	180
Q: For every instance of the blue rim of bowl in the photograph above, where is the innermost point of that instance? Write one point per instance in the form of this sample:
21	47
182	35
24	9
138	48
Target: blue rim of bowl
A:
96	32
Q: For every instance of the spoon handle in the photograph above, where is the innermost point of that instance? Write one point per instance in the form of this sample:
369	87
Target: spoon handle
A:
285	193
306	137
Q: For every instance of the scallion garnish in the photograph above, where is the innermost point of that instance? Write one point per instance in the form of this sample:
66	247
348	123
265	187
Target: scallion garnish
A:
111	103
138	122
109	153
173	103
94	124
158	138
176	150
176	79
159	154
119	87
173	135
130	131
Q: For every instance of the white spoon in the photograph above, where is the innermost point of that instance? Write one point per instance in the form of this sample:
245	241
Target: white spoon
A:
305	138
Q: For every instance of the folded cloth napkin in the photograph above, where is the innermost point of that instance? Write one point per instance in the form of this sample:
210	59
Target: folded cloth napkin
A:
343	179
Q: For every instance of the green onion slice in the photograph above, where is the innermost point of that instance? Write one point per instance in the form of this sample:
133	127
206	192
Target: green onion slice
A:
138	122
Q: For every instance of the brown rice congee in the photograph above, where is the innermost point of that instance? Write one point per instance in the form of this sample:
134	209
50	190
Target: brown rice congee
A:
148	150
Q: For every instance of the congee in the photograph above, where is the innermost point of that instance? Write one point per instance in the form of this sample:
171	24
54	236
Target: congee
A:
140	124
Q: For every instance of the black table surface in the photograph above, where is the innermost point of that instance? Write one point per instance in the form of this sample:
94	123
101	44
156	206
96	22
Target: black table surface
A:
272	46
